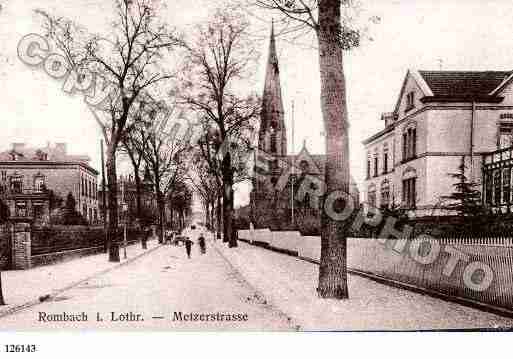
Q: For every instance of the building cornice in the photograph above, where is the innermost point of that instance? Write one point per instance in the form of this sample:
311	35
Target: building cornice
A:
445	99
47	165
434	108
379	134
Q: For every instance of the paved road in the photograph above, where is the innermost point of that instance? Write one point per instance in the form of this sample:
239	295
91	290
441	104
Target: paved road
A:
158	285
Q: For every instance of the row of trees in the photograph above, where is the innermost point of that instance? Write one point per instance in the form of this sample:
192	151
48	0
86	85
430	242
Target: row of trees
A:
142	111
130	60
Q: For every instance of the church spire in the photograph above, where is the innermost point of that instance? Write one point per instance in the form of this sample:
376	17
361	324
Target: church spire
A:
273	137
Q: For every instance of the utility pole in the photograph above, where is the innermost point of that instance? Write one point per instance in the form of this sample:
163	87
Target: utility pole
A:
124	211
104	198
293	170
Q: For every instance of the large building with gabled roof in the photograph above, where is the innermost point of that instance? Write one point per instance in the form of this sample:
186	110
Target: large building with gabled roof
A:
440	119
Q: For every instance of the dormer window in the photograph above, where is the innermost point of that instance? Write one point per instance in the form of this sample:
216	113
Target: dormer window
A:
410	100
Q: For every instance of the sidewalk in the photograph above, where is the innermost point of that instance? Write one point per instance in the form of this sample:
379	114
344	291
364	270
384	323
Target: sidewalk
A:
164	290
289	283
25	287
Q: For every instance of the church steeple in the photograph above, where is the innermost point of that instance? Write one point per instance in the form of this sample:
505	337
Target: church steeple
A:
272	135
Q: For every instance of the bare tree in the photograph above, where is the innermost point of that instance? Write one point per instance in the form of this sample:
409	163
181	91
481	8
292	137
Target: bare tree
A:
219	59
207	184
167	153
334	34
135	144
180	202
129	59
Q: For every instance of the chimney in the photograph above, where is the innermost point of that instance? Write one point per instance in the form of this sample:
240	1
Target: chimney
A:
61	149
18	147
388	117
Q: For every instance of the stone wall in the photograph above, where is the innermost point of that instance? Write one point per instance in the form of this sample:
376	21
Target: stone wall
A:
5	238
32	247
44	259
21	253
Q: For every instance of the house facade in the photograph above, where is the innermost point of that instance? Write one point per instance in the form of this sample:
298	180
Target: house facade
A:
27	175
440	119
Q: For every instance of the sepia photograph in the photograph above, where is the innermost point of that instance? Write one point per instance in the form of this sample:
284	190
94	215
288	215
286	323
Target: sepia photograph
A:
256	166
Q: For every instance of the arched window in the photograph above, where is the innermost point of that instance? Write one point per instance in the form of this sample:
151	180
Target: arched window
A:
304	166
409	142
39	183
371	195
410	188
273	146
385	194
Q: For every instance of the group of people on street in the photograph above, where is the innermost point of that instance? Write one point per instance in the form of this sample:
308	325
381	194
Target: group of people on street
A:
201	242
177	238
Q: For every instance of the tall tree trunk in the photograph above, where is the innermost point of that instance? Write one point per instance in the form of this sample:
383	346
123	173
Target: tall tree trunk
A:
171	215
138	194
2	301
207	214
112	228
219	216
333	267
162	209
228	201
212	215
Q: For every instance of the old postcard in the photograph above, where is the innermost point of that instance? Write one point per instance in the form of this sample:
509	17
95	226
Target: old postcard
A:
255	165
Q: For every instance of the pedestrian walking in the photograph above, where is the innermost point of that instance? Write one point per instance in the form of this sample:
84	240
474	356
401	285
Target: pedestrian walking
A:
202	244
188	246
146	234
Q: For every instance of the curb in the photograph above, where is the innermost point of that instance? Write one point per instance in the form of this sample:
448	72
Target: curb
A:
294	327
413	288
56	292
432	293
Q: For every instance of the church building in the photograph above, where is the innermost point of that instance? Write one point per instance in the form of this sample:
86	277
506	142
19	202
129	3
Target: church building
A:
278	199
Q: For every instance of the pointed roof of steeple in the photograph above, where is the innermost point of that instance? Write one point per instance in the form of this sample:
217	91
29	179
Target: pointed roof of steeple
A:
273	54
272	100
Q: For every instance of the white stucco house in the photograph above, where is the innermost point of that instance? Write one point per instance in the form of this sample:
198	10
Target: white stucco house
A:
440	118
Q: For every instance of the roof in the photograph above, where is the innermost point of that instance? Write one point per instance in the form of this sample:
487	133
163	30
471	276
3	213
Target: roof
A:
453	86
320	162
33	156
463	84
378	135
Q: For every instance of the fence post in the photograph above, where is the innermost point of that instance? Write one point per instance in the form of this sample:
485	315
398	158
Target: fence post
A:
21	245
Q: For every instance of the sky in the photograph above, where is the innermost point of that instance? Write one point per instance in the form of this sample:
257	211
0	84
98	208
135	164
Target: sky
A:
421	34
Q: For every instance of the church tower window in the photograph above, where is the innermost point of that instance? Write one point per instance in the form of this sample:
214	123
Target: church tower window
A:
273	142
